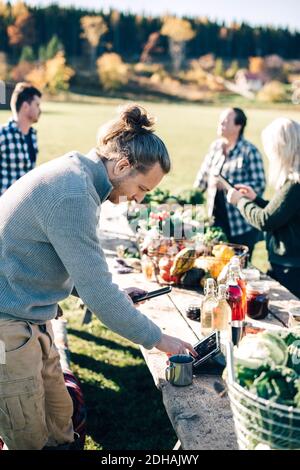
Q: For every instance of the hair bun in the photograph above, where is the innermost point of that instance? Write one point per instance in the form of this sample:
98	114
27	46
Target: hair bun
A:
136	118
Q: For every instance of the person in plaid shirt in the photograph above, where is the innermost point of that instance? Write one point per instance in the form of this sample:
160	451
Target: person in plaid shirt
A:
18	142
240	162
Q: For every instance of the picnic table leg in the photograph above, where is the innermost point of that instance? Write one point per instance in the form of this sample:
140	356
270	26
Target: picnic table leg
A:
87	318
177	445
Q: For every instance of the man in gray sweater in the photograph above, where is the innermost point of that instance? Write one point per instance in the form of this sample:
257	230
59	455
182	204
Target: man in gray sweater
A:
48	246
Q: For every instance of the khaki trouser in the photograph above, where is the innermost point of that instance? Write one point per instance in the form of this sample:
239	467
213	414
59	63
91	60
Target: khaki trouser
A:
35	406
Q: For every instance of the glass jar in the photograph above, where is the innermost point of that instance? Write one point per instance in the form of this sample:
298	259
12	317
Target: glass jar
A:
251	274
193	312
257	299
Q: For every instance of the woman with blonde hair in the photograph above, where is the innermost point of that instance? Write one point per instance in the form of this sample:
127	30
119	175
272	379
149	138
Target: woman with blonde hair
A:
279	217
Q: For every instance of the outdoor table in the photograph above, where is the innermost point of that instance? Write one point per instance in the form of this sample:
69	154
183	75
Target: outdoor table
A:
200	413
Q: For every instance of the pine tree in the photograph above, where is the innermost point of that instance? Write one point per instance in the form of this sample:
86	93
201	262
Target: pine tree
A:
27	54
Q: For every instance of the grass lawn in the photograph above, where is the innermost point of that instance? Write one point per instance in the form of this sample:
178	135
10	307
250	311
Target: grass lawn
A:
125	410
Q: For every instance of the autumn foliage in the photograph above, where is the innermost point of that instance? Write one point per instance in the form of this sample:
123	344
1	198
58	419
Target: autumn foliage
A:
22	31
112	71
54	75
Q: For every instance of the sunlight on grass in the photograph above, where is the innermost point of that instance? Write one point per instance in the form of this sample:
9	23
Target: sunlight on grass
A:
93	378
123	404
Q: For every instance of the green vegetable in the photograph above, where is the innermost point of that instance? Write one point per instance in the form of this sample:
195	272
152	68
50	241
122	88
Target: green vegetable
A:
297	396
213	234
246	376
161	196
192	196
294	356
157	196
262	349
265	365
289	336
276	384
292	340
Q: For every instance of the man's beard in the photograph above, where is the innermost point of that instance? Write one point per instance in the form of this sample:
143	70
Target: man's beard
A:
116	193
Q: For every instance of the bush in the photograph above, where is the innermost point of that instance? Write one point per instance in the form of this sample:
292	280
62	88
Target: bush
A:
272	92
53	75
159	76
20	71
219	68
58	73
196	74
147	70
112	71
232	70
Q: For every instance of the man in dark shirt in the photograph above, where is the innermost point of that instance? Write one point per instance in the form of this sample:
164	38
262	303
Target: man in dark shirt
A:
18	143
31	148
239	161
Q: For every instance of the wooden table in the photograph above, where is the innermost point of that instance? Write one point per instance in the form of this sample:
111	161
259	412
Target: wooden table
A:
200	413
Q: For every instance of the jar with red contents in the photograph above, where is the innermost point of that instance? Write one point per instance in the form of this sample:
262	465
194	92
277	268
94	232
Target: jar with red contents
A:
257	299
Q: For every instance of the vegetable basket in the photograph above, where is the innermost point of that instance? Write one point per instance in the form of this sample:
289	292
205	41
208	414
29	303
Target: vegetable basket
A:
205	259
260	423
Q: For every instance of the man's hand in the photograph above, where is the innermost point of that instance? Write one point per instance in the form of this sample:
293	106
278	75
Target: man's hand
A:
233	196
172	345
217	183
133	291
246	191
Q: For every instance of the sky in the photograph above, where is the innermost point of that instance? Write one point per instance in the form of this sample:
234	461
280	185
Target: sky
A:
256	12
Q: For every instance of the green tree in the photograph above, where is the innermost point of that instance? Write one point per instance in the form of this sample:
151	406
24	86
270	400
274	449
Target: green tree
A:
232	70
51	49
27	54
219	68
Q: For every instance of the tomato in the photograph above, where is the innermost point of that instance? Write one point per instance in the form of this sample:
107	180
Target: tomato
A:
165	275
165	264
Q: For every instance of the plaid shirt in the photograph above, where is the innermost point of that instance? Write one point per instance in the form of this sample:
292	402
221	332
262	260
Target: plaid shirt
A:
243	164
14	154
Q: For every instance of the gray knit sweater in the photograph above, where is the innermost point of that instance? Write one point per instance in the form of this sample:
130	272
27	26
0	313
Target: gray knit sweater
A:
49	243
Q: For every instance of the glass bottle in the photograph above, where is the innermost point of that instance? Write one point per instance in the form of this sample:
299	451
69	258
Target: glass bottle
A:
235	301
147	267
235	262
208	305
221	320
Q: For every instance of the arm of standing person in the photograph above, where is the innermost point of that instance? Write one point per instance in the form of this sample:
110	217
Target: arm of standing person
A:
72	230
277	213
254	169
249	193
